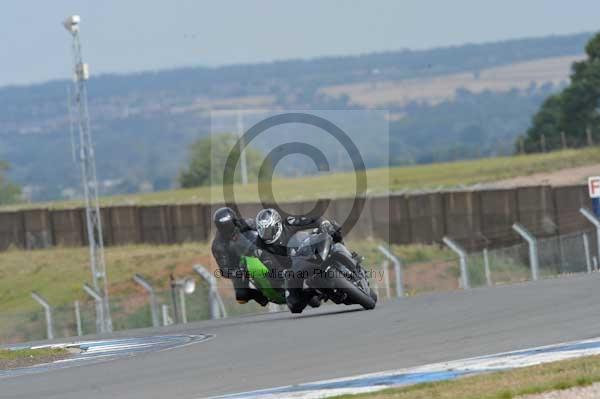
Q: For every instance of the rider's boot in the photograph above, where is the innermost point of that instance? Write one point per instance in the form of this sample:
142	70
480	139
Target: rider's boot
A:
259	298
314	301
295	300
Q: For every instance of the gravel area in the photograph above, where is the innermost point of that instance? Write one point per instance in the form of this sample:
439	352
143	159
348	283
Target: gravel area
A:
561	177
590	392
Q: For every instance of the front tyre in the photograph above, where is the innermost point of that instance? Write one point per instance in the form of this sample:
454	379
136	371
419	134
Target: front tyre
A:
373	294
356	295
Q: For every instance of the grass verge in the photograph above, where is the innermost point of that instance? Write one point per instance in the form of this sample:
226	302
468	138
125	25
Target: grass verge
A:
58	274
433	176
10	359
502	385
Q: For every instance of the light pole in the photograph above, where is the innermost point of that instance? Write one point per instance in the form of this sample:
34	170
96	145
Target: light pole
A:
87	162
243	162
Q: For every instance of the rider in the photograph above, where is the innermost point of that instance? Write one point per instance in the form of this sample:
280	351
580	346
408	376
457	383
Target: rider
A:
274	236
230	243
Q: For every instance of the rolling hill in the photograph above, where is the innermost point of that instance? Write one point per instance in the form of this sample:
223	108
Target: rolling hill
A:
444	104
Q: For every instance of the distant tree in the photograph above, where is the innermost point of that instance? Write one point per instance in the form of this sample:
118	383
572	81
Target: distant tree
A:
572	111
545	122
208	157
9	193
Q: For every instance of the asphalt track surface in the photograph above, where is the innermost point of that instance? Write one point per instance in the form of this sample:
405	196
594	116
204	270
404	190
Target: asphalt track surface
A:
270	350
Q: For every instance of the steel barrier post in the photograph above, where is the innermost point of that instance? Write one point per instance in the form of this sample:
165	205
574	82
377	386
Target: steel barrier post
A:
486	265
150	290
78	319
48	311
586	248
215	302
385	268
533	250
462	255
99	307
593	220
167	321
182	306
397	270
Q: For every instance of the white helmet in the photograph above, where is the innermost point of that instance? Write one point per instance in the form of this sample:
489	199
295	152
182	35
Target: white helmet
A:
269	225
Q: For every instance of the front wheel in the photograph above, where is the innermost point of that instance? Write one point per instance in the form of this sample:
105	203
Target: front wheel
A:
355	294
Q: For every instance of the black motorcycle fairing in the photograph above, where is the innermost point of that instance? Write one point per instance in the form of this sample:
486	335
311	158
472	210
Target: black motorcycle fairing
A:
340	253
316	244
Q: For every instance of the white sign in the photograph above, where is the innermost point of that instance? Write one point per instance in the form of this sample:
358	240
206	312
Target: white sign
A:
594	186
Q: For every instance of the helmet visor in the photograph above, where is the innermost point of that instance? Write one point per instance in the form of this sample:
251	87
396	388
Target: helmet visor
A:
270	233
226	225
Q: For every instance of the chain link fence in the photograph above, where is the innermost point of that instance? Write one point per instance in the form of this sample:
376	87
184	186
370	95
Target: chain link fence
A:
127	311
557	255
423	270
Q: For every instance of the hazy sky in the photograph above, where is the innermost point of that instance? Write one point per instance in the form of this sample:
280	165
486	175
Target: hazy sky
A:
134	35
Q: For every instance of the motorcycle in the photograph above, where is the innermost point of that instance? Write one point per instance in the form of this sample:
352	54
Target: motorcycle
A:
334	272
328	269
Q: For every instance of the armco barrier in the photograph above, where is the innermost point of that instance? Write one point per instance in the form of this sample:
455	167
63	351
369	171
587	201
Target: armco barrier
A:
124	225
498	213
389	219
189	223
68	227
536	210
38	229
12	230
427	221
462	211
567	201
155	224
475	219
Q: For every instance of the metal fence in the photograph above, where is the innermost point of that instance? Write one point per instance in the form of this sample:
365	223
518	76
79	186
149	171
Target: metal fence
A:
557	255
128	312
391	276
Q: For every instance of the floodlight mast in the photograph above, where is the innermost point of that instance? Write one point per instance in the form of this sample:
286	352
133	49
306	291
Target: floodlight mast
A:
88	173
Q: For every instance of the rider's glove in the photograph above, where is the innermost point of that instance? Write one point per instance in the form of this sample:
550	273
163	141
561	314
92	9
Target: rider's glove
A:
333	229
327	227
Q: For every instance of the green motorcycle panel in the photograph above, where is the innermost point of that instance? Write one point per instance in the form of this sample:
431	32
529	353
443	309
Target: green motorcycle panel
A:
259	273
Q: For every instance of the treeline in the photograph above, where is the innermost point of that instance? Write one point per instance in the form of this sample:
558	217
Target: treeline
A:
472	125
570	118
141	145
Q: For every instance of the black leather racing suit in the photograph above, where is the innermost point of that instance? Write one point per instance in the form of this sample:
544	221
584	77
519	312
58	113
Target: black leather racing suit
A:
228	252
283	250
